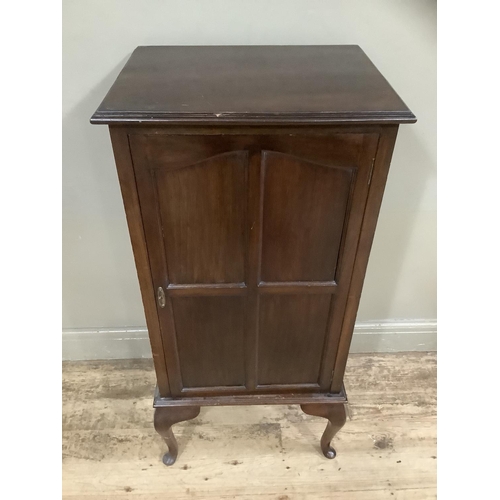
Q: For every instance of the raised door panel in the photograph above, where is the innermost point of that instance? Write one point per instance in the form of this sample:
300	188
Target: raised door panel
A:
202	213
305	206
210	335
291	338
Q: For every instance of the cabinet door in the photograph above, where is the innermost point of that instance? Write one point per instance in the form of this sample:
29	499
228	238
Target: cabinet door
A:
252	239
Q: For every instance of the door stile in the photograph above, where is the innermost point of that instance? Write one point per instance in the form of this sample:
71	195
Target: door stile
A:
254	228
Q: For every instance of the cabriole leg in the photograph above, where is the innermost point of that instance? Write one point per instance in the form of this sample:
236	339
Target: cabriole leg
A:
336	415
164	418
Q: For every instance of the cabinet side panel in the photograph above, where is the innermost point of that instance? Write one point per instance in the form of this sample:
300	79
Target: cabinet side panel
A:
366	156
124	166
372	209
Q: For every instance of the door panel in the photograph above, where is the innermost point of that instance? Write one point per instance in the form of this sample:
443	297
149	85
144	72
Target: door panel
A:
210	340
291	338
202	209
305	207
252	238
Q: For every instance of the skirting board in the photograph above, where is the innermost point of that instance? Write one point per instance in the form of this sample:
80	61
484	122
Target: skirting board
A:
129	343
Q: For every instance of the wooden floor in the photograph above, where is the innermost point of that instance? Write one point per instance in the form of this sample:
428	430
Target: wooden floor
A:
387	450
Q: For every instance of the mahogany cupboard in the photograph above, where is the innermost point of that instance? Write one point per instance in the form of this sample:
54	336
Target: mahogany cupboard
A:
252	179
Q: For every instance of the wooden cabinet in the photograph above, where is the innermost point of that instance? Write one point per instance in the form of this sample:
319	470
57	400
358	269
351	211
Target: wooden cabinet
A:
252	178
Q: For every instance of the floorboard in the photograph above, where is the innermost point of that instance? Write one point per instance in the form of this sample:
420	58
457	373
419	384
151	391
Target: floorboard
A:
387	450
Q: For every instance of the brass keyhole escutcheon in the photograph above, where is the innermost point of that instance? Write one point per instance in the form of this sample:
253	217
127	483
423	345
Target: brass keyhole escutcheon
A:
161	297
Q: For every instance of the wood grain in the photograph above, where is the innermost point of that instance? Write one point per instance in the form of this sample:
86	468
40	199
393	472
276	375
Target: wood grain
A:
210	339
259	217
291	337
202	209
360	258
125	170
305	209
112	452
251	84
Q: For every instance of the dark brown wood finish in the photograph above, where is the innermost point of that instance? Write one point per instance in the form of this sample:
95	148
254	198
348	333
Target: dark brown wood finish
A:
246	398
164	419
296	192
309	205
203	206
135	223
211	337
291	337
379	177
251	84
252	178
336	416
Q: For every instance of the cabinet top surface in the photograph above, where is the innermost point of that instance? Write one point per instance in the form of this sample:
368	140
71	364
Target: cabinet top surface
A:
251	84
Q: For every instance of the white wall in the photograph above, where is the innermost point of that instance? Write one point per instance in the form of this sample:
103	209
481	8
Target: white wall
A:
100	287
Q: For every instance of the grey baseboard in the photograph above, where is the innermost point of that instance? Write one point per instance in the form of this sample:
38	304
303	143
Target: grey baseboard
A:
395	336
129	343
105	343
